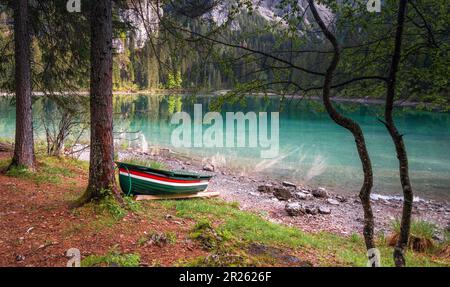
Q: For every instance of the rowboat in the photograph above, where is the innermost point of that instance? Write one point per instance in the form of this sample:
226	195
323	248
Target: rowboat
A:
141	180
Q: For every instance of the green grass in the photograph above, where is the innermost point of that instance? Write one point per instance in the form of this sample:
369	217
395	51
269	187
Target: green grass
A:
244	227
50	169
19	171
39	177
4	163
111	206
248	226
55	170
419	228
114	258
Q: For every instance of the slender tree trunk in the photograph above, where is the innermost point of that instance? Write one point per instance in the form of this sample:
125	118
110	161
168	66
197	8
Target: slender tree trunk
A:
397	138
101	165
24	144
353	127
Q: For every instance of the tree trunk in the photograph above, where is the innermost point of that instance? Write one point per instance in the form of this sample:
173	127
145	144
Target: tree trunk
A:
24	144
397	138
101	166
353	127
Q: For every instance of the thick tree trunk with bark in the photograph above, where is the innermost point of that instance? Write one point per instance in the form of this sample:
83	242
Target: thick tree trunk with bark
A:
397	138
101	165
353	127
24	143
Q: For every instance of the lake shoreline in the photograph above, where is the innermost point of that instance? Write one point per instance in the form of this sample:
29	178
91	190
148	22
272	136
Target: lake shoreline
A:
344	214
271	198
362	101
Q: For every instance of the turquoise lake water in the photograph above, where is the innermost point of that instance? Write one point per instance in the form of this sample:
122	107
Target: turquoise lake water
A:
312	148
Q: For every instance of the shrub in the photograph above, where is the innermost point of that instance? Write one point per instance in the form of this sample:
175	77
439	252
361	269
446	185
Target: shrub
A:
420	237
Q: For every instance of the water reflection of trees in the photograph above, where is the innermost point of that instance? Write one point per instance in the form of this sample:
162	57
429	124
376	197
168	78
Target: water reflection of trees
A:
7	117
143	118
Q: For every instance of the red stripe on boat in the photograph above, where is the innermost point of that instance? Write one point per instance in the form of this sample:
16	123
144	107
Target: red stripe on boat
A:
147	175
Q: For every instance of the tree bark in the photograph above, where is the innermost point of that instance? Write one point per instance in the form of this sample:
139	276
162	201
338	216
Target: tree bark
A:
353	127
101	163
24	143
397	138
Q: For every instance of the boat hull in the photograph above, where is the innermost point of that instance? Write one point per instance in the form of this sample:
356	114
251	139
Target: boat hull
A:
149	182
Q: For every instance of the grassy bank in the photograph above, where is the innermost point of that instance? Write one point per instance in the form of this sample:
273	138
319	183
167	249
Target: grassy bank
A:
197	232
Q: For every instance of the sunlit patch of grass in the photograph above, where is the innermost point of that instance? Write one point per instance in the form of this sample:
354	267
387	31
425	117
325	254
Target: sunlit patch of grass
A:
355	238
46	178
132	205
110	205
80	164
6	140
38	177
112	258
49	169
4	163
64	166
56	170
19	171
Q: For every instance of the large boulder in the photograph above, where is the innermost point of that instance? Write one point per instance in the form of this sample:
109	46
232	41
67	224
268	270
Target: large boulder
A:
294	209
320	192
283	193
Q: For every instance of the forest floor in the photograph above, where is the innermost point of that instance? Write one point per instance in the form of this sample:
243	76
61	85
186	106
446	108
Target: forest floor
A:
38	226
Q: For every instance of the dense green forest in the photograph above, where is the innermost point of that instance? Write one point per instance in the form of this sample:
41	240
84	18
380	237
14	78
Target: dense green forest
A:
164	65
165	61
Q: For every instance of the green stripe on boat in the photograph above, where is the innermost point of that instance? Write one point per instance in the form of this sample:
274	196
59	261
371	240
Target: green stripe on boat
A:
150	181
